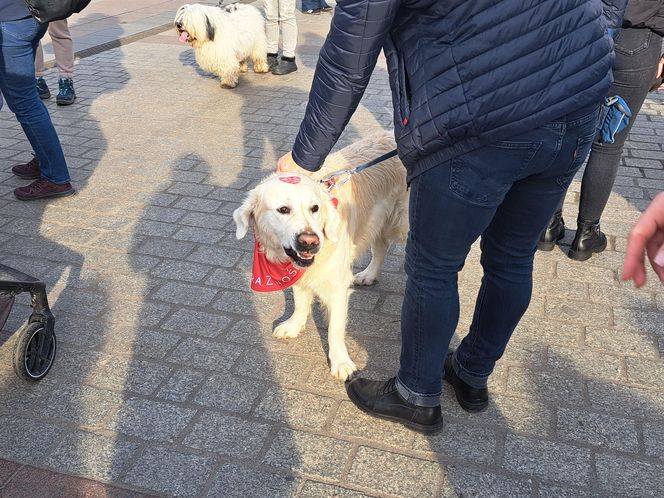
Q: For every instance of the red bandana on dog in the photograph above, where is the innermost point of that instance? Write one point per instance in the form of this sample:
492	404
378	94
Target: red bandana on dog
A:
268	276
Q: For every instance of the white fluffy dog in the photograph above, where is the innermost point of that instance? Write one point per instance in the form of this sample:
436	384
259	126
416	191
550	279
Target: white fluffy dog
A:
295	219
224	38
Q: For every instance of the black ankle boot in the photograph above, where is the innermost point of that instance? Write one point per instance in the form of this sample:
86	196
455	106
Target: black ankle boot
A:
589	239
553	233
286	65
272	61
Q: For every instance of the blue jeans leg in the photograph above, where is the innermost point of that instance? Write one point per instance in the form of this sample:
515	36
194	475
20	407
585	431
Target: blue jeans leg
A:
313	4
18	42
506	193
442	229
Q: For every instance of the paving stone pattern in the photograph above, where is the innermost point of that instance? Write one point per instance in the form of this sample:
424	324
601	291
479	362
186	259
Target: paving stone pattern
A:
168	381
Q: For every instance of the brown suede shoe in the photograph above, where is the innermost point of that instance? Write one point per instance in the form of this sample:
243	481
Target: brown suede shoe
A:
42	189
28	171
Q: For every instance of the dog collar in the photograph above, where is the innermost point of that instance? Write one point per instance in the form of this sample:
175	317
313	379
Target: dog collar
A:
268	276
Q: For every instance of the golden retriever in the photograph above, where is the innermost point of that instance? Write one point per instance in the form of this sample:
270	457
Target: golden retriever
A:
295	219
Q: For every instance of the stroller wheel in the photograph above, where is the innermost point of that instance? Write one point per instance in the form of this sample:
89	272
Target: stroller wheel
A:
34	352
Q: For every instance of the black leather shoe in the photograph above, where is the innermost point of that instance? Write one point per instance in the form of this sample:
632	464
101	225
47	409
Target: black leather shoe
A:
553	233
589	239
470	398
286	65
382	400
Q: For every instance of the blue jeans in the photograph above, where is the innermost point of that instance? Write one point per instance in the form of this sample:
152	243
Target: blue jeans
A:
505	192
18	42
313	5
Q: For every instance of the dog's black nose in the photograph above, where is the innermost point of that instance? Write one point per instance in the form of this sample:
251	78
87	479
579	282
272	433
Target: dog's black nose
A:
307	241
178	25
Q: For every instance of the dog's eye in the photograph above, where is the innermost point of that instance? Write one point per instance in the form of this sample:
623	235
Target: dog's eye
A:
283	210
314	208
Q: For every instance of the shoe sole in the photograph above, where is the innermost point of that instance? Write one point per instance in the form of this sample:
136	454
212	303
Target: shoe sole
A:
51	196
584	255
27	177
545	246
283	74
60	102
427	429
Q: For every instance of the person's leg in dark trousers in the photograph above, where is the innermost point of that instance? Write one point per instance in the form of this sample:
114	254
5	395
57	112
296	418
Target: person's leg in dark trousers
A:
638	52
508	207
18	42
506	192
508	247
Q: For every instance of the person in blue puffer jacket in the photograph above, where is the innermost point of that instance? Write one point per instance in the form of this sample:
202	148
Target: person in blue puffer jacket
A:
495	109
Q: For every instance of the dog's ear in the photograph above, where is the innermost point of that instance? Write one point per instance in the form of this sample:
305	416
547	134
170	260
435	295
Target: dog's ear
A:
209	28
243	214
331	221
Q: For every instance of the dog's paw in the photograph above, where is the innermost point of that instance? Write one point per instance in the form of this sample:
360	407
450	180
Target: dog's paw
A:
287	330
364	278
243	67
342	368
261	67
229	81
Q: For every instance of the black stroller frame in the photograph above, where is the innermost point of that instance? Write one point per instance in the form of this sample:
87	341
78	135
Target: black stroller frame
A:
36	343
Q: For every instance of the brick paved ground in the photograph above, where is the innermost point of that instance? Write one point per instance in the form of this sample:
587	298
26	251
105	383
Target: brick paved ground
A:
167	380
105	21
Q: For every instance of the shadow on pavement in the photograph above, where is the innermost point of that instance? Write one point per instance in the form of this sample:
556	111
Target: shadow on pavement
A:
64	243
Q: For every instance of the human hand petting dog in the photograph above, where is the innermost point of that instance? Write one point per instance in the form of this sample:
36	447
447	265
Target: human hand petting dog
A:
287	163
648	236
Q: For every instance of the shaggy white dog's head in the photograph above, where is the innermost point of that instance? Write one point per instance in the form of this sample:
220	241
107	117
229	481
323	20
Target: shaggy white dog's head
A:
293	217
194	25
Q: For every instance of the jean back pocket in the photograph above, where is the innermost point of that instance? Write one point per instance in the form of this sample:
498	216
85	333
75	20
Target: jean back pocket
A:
483	177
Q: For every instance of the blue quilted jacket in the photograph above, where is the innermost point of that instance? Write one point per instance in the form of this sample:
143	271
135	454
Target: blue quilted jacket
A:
463	73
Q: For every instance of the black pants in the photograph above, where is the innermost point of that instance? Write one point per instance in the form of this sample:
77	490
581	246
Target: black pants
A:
637	55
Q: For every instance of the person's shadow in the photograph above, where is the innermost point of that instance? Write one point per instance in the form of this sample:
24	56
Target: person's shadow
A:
72	244
265	111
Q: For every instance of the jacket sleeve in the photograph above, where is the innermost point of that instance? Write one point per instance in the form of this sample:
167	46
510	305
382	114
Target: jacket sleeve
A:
347	59
614	11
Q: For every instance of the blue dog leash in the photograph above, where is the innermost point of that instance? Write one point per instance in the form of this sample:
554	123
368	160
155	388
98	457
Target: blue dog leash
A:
332	181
